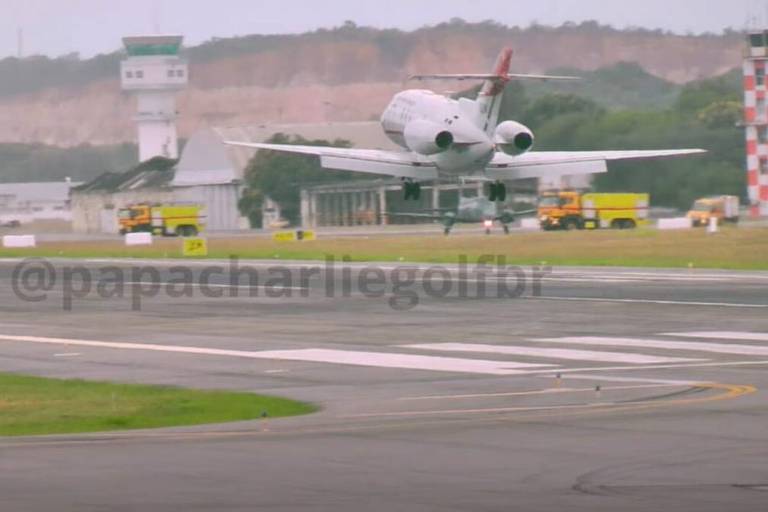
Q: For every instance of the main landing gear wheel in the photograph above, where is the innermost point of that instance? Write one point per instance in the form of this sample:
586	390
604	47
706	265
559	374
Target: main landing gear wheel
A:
411	190
498	191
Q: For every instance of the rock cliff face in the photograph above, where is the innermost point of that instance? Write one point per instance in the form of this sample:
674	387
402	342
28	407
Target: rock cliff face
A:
347	75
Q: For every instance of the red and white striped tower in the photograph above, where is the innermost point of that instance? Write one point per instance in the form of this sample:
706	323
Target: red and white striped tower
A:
756	121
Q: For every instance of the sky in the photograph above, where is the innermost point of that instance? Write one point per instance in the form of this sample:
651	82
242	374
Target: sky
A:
89	27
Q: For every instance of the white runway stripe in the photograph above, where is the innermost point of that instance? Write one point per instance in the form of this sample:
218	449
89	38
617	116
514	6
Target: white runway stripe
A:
554	353
723	335
719	348
650	301
405	361
348	357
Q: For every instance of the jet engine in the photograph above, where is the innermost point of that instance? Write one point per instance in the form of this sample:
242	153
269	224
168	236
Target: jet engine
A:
513	138
426	137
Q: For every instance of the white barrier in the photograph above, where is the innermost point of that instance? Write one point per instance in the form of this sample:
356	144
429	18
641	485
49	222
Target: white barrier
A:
138	239
19	241
530	223
674	223
712	226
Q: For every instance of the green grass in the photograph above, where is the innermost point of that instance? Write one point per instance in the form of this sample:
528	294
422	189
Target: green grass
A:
731	248
38	406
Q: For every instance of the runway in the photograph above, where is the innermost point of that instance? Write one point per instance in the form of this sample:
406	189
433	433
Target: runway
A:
594	389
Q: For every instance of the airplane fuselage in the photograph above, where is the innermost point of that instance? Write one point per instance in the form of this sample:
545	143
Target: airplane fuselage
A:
473	149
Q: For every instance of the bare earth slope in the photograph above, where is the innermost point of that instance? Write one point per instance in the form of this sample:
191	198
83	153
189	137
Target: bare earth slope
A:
348	74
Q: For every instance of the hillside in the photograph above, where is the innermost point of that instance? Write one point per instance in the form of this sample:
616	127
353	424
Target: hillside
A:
343	74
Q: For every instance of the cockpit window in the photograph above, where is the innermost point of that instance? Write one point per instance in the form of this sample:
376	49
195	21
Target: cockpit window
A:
549	201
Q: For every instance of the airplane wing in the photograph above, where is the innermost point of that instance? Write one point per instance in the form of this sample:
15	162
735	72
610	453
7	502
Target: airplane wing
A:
401	164
554	163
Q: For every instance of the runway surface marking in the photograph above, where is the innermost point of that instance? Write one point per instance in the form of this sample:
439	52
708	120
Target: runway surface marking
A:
348	357
719	348
548	391
405	361
729	391
651	301
469	270
555	353
469	365
725	335
711	364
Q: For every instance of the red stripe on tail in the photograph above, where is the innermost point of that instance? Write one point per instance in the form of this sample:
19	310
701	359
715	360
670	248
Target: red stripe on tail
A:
501	70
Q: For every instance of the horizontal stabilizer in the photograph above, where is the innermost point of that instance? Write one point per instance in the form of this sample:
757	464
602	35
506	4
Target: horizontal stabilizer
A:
481	76
518	76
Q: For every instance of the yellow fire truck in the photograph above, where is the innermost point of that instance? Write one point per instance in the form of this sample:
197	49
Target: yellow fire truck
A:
162	220
570	209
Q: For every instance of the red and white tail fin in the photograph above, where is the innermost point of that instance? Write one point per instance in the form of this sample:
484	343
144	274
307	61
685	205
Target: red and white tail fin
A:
495	83
490	95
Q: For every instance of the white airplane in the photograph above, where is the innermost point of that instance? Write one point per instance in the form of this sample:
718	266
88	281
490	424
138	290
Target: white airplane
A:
449	139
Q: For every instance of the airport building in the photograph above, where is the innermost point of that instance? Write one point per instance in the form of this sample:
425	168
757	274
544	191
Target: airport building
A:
95	204
209	172
368	202
756	121
29	202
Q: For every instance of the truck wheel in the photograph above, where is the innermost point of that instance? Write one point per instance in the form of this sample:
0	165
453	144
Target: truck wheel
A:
571	224
188	231
628	224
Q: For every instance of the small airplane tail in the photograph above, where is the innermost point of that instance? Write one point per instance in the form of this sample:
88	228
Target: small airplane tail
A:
489	97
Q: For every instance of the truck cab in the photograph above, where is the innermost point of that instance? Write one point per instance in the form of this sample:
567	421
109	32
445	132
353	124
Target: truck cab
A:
560	210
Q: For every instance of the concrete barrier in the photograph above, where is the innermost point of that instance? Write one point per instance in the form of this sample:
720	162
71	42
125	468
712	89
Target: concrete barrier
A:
530	223
138	239
19	241
712	227
674	223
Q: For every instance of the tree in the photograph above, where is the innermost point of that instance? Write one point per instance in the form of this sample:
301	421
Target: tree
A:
555	105
280	176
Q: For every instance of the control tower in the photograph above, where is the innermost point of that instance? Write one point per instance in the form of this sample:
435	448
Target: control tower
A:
154	72
756	120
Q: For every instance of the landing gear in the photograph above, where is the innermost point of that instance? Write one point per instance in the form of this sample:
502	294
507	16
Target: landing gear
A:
411	190
498	191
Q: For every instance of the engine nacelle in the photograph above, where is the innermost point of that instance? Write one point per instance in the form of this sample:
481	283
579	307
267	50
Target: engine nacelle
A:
426	137
513	138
